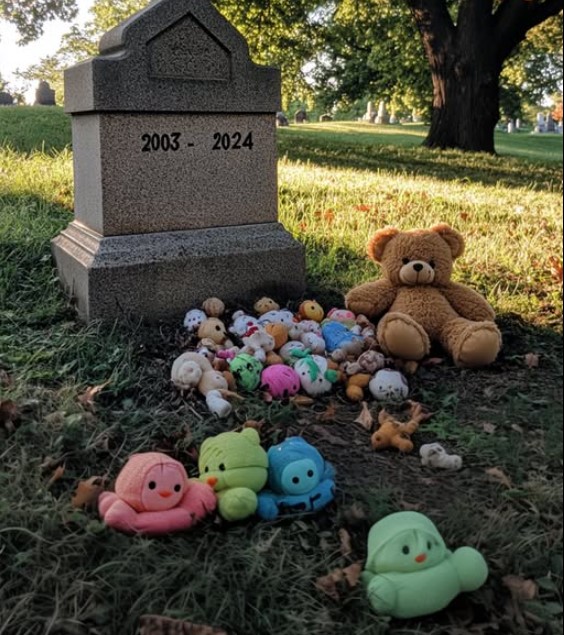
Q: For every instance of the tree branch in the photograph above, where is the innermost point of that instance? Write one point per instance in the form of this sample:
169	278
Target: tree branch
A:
515	18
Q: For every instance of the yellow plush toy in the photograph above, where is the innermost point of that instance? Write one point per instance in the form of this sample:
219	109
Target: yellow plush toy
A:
418	303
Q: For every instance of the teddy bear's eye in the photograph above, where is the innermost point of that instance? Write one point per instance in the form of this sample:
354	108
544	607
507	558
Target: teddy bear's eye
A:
218	328
152	485
177	488
405	261
405	550
222	467
432	264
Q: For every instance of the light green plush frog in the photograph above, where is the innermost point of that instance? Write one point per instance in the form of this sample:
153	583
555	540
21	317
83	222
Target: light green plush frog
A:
236	466
410	572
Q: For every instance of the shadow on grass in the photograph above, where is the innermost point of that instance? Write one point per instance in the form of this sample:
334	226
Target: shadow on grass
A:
359	152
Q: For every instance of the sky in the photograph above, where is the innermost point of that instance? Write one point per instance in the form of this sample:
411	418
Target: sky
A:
14	57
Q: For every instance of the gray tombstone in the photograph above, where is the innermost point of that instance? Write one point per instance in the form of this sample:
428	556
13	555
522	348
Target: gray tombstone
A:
282	120
541	123
394	119
175	170
300	116
370	114
511	127
326	118
44	95
550	124
518	124
6	99
383	117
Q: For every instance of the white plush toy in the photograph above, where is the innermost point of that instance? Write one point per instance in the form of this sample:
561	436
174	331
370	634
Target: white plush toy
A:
434	455
242	323
257	342
389	385
287	350
284	316
192	370
315	377
194	319
308	333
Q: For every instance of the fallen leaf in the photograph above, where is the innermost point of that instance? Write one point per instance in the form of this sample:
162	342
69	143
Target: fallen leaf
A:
324	433
5	379
500	476
257	425
354	513
87	492
433	361
352	574
490	428
266	397
57	475
328	414
302	401
556	268
86	399
159	625
346	545
365	418
410	507
521	589
9	414
517	428
532	360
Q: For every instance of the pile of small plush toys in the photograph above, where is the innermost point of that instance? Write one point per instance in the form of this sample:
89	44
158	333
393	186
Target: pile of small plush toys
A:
409	571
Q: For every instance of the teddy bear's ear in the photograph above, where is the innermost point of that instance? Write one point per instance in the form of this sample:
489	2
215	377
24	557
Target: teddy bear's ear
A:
378	242
454	240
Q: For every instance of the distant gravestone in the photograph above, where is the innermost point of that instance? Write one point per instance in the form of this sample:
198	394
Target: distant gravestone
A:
511	127
550	124
370	114
325	118
300	116
383	117
175	170
518	124
6	99
415	116
541	123
393	119
44	95
281	120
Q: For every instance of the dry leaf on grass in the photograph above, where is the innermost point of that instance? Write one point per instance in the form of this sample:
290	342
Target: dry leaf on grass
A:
86	399
323	433
9	414
346	544
532	360
521	589
5	379
87	492
339	581
490	428
556	268
433	361
159	625
354	514
500	476
257	425
302	401
328	414
365	418
57	475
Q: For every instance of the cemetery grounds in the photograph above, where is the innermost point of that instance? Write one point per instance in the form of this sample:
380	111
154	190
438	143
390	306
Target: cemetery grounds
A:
77	400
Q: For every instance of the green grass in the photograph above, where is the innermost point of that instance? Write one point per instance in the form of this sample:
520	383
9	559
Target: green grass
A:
63	572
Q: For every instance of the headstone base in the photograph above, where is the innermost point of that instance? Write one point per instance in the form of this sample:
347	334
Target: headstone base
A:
161	276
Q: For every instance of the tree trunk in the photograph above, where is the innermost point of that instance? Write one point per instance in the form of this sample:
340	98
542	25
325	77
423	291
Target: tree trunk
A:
465	103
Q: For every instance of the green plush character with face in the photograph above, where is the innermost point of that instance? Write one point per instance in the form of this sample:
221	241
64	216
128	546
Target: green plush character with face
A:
410	572
247	370
236	466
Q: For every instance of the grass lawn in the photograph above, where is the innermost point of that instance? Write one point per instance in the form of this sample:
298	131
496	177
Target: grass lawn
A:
63	572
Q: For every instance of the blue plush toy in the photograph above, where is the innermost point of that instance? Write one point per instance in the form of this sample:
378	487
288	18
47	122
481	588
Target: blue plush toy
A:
299	480
339	338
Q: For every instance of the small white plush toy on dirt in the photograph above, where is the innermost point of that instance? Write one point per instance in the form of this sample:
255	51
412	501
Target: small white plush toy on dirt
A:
434	455
389	385
315	375
283	316
242	322
286	352
194	319
257	342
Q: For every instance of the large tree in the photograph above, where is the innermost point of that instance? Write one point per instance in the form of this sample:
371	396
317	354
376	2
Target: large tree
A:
30	15
467	43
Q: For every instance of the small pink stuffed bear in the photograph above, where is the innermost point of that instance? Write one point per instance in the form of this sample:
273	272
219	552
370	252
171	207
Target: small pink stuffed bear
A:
153	496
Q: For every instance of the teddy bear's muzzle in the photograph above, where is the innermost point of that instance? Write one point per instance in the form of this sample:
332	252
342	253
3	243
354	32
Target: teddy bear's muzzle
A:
417	272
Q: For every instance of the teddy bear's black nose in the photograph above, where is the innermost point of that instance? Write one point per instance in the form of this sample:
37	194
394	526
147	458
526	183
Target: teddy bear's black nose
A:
418	267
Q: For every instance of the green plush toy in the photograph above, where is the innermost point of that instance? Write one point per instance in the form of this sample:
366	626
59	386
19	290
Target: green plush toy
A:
410	572
236	466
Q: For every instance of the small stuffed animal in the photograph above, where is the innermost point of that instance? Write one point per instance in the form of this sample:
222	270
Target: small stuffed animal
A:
396	434
257	342
265	305
154	496
280	381
348	318
288	350
315	376
236	466
247	370
299	480
340	341
192	370
280	334
418	303
283	316
242	323
368	362
434	455
309	333
356	385
213	307
214	329
410	572
389	385
194	319
311	310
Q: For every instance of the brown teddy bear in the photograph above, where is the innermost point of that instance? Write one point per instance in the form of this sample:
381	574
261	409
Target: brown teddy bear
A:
419	302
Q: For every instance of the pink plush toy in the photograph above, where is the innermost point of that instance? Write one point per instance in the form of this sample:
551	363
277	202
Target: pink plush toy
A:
280	381
154	496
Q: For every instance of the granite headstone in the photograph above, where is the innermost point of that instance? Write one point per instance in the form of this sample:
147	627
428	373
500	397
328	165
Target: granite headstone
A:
44	95
6	99
175	170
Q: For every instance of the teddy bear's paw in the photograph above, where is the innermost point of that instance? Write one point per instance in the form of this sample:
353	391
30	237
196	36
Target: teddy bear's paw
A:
480	345
238	503
402	337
